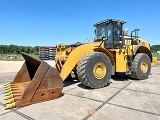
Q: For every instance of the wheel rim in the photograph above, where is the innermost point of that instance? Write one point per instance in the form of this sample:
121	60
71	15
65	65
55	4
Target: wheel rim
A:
144	67
99	70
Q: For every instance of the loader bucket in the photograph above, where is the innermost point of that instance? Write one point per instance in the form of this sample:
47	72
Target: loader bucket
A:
154	61
35	82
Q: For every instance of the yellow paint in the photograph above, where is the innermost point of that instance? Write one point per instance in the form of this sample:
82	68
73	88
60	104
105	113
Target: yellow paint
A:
9	97
12	105
120	57
8	90
142	43
10	93
105	51
60	51
75	56
7	84
10	101
99	70
68	57
144	67
154	61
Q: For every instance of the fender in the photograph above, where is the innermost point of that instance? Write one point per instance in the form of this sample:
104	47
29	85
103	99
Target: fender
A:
142	49
105	51
75	56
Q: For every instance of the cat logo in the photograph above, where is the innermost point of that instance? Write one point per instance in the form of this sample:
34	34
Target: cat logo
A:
128	42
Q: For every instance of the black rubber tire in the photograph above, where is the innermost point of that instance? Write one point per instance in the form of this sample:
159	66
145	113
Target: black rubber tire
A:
85	70
135	69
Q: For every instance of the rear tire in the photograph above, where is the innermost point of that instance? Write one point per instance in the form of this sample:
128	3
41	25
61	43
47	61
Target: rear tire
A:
141	67
94	70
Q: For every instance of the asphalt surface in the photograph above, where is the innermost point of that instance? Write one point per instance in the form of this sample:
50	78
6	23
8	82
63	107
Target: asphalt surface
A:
123	99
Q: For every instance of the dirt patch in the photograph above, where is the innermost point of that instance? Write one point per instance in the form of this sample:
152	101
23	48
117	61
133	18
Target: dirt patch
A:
14	66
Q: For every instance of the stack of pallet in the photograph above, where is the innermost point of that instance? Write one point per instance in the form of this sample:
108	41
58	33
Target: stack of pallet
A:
52	53
47	53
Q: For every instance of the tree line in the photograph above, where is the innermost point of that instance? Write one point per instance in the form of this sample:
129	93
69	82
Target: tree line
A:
155	48
15	49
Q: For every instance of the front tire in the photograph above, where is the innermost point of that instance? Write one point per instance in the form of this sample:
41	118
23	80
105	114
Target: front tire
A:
141	67
94	70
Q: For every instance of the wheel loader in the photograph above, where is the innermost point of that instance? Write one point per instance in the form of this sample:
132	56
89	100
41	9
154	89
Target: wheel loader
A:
112	51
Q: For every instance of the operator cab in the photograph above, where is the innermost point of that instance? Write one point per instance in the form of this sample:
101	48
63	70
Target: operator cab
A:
110	31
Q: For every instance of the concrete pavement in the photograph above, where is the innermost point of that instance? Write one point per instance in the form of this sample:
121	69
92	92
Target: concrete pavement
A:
123	99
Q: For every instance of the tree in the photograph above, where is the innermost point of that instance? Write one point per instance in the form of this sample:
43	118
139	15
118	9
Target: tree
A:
155	47
10	49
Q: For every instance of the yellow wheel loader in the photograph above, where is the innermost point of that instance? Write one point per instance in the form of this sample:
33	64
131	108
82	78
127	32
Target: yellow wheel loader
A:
93	63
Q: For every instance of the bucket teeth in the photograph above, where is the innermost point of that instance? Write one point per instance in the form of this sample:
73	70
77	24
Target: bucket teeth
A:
10	85
11	105
7	84
11	89
7	91
9	97
7	94
7	88
10	101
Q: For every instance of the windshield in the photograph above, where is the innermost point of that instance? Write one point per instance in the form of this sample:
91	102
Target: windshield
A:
101	31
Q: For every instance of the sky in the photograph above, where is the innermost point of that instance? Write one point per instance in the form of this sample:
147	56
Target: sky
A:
51	22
